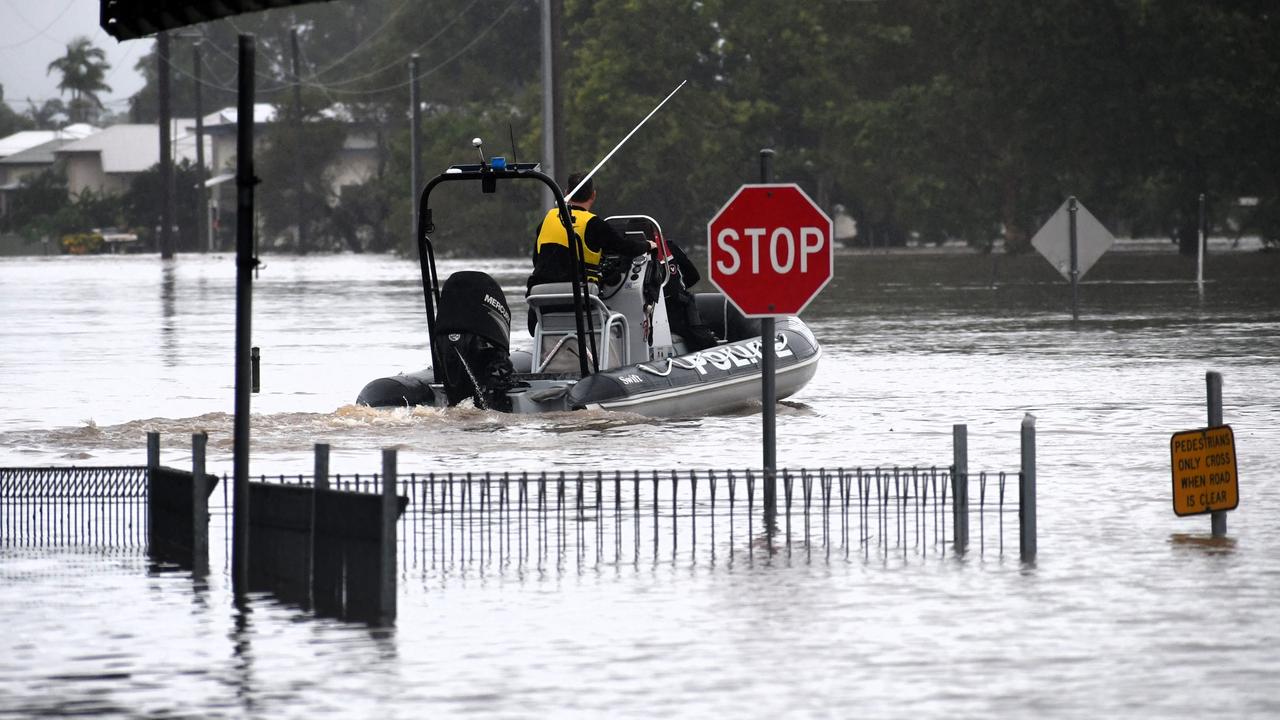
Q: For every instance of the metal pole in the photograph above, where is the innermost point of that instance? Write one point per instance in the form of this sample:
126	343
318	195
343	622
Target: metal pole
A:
552	141
320	484
415	141
322	466
298	170
199	506
387	581
960	486
204	238
768	390
1075	261
1027	491
166	150
1200	249
1213	386
153	463
245	263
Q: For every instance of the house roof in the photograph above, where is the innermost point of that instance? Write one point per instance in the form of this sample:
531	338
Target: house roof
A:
131	148
41	154
262	113
27	139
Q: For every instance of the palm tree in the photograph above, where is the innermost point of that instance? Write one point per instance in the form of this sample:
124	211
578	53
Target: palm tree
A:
83	71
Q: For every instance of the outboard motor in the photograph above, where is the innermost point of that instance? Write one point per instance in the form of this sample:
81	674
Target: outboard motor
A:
473	338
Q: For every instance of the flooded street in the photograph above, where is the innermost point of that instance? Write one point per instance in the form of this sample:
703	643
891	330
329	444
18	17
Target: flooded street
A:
1129	610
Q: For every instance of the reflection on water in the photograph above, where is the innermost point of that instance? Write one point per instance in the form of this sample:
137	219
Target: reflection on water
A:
1123	599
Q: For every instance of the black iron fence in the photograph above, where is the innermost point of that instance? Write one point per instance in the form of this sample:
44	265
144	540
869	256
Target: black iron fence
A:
454	519
82	506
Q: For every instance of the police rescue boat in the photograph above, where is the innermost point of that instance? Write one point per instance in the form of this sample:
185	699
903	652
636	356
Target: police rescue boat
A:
608	347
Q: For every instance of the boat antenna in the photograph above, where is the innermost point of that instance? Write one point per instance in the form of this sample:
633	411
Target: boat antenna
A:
512	131
600	164
478	144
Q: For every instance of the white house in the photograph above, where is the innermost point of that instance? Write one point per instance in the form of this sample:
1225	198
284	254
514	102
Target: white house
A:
107	161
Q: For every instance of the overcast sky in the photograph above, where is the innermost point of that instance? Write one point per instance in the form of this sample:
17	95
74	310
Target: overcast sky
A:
34	33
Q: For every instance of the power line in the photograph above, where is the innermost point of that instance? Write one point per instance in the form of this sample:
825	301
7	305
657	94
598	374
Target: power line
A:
479	36
331	87
399	62
40	32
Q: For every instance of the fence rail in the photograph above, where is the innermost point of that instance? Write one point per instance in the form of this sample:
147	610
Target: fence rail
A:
456	519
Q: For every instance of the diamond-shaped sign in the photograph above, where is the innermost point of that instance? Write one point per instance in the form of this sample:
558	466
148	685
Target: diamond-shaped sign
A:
1053	240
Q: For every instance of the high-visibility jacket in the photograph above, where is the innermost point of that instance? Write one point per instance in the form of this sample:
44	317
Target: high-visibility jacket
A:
552	233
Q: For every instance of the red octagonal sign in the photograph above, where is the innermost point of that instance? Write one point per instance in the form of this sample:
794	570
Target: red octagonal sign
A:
770	249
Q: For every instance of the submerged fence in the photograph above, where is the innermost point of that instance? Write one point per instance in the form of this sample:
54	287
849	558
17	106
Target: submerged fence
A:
84	506
460	519
456	519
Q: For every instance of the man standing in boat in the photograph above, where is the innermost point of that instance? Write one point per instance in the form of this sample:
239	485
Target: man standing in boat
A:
552	258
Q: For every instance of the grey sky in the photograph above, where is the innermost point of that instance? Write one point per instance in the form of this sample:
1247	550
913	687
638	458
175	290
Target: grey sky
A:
33	33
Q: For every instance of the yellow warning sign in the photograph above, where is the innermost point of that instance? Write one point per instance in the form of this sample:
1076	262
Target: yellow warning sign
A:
1204	471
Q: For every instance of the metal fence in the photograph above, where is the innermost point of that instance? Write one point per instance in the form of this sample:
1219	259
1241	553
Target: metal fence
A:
459	519
81	506
551	519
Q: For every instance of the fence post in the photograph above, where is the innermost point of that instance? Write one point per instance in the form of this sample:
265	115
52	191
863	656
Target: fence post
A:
387	579
1027	491
319	484
199	506
153	462
960	485
1213	386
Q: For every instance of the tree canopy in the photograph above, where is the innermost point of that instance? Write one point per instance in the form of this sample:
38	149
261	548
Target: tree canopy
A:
83	69
928	119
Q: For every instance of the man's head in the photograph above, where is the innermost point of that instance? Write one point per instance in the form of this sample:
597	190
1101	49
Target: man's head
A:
586	194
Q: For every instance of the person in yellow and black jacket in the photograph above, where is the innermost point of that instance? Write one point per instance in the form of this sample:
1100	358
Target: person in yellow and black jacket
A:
552	257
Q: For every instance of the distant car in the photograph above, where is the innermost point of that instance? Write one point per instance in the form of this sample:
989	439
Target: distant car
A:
115	241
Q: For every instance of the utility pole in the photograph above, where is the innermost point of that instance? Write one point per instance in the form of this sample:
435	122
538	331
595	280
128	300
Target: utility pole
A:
298	183
202	193
166	151
552	128
415	145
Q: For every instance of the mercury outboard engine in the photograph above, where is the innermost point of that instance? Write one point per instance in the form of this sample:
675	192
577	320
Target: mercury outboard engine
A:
473	339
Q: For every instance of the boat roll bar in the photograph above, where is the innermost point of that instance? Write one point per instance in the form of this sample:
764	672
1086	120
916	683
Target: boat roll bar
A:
488	174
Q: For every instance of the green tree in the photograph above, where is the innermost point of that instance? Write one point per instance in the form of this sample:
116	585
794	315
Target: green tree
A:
83	69
140	205
10	121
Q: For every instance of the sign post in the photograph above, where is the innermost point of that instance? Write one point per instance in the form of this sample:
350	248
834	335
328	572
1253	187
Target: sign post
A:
768	372
1205	478
770	252
1086	241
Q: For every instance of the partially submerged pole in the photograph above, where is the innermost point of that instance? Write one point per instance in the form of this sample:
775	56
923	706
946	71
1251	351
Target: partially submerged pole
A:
166	146
387	544
245	263
1027	491
1213	387
1202	236
199	506
960	486
1072	209
204	238
415	140
768	390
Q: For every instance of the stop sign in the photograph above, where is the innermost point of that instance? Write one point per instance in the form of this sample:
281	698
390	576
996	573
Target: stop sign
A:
770	249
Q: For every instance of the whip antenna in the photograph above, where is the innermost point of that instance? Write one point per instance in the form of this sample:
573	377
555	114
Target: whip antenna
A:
600	164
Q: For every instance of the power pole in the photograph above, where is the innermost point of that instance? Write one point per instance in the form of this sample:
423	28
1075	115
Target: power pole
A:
552	127
415	144
202	193
297	135
166	151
